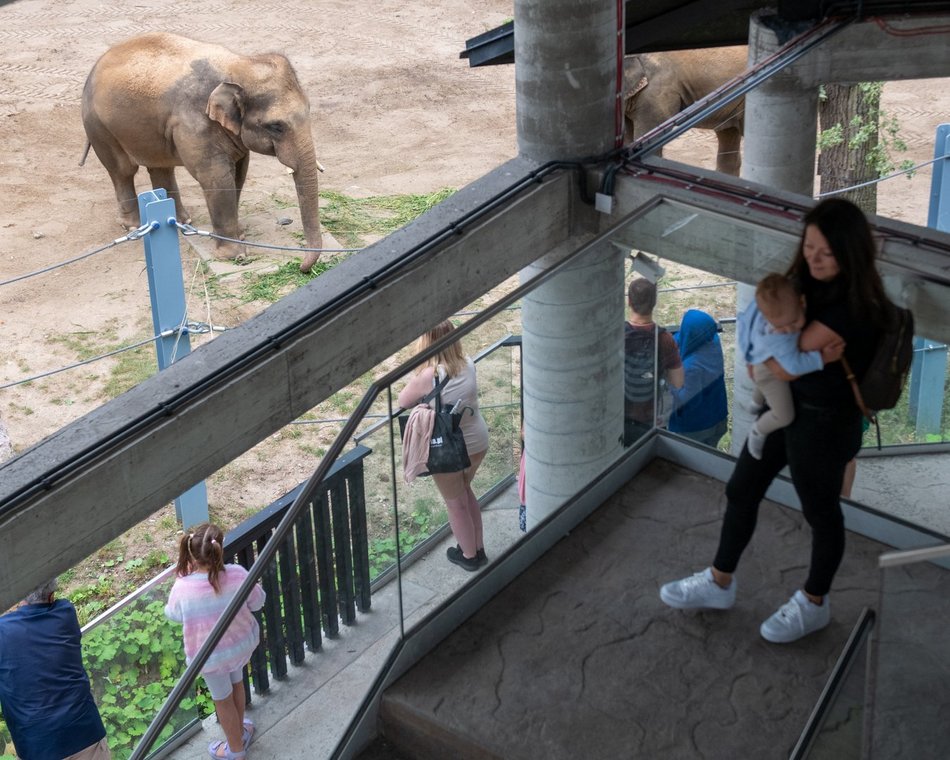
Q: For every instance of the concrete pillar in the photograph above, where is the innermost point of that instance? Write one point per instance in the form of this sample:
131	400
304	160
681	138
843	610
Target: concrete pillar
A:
779	144
565	77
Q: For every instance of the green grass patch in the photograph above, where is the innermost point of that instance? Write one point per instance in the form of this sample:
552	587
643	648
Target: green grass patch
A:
350	219
87	344
213	285
131	367
272	286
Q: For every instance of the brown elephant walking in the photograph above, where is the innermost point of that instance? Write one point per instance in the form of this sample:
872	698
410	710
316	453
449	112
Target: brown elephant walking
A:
656	86
161	101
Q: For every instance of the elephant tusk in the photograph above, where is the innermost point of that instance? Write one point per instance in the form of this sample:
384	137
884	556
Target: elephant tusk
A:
319	168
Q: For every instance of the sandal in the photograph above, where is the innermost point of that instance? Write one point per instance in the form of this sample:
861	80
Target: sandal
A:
248	733
228	754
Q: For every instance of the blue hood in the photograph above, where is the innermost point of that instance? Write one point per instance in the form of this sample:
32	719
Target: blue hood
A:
697	329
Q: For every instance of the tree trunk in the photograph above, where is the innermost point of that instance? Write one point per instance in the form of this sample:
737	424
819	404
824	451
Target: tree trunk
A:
846	164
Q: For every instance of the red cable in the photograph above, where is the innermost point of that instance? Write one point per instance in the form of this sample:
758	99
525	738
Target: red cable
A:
919	32
618	105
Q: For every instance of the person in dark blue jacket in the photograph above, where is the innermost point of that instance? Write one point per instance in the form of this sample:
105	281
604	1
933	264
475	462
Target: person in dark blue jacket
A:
701	409
44	689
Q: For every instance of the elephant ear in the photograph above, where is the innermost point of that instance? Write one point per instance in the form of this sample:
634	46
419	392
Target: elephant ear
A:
226	106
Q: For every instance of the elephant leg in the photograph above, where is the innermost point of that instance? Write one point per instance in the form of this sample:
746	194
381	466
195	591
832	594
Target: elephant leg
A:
729	158
122	171
221	195
240	174
164	177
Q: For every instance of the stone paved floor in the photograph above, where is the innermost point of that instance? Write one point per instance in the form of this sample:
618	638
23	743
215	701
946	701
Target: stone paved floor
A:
579	658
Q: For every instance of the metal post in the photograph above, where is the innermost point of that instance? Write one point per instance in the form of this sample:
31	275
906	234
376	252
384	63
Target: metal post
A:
167	295
929	370
928	374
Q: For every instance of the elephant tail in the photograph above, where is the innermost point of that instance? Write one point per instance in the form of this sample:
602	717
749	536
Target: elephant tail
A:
85	153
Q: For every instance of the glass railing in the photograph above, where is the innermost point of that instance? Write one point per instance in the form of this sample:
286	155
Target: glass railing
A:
908	695
835	728
133	655
409	522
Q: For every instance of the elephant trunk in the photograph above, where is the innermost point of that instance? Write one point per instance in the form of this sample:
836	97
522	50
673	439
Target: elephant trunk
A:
306	170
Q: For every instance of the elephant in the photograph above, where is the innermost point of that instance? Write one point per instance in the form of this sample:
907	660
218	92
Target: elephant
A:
656	86
161	100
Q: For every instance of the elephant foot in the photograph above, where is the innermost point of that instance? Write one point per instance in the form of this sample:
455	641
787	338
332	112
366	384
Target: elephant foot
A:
128	222
230	252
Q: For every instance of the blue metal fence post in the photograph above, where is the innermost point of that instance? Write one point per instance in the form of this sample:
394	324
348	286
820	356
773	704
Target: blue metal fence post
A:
167	293
929	369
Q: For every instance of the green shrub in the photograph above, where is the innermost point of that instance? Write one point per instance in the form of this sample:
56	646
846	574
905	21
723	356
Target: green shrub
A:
134	660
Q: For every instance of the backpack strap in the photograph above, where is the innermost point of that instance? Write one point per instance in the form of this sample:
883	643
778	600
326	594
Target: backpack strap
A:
859	400
436	390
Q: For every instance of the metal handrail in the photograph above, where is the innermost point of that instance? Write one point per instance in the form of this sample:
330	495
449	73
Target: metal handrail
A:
269	550
507	341
925	554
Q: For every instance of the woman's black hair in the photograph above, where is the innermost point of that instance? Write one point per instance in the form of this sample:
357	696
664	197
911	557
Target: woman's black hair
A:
849	236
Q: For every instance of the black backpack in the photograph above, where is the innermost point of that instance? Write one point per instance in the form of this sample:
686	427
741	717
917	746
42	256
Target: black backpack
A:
882	384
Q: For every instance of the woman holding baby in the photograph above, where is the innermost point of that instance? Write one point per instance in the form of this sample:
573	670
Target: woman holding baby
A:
834	270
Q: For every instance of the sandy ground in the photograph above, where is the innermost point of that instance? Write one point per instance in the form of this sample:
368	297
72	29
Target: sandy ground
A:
394	111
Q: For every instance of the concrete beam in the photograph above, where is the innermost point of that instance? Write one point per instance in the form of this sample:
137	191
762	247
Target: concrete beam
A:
880	49
742	230
120	484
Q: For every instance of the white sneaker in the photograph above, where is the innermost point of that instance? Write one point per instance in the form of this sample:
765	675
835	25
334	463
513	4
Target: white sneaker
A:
699	591
798	617
755	442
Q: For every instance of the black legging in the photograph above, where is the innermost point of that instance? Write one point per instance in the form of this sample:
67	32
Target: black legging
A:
816	446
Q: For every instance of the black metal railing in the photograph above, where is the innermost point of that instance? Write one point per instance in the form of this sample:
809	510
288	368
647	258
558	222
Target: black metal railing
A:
321	572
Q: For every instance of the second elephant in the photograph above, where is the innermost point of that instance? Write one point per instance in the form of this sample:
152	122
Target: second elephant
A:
656	86
161	101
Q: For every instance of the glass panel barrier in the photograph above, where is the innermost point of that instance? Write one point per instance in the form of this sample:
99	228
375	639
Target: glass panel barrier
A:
359	515
373	514
906	477
133	655
835	728
909	697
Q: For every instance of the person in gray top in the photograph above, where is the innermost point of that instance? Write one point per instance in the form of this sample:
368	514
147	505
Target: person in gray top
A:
461	392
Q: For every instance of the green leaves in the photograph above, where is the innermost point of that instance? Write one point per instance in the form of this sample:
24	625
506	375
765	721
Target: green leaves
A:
879	124
134	659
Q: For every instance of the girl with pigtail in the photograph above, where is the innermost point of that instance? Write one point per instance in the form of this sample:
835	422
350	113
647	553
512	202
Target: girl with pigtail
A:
203	588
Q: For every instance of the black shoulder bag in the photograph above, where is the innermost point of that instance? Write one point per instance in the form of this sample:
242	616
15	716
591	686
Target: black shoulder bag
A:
447	451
